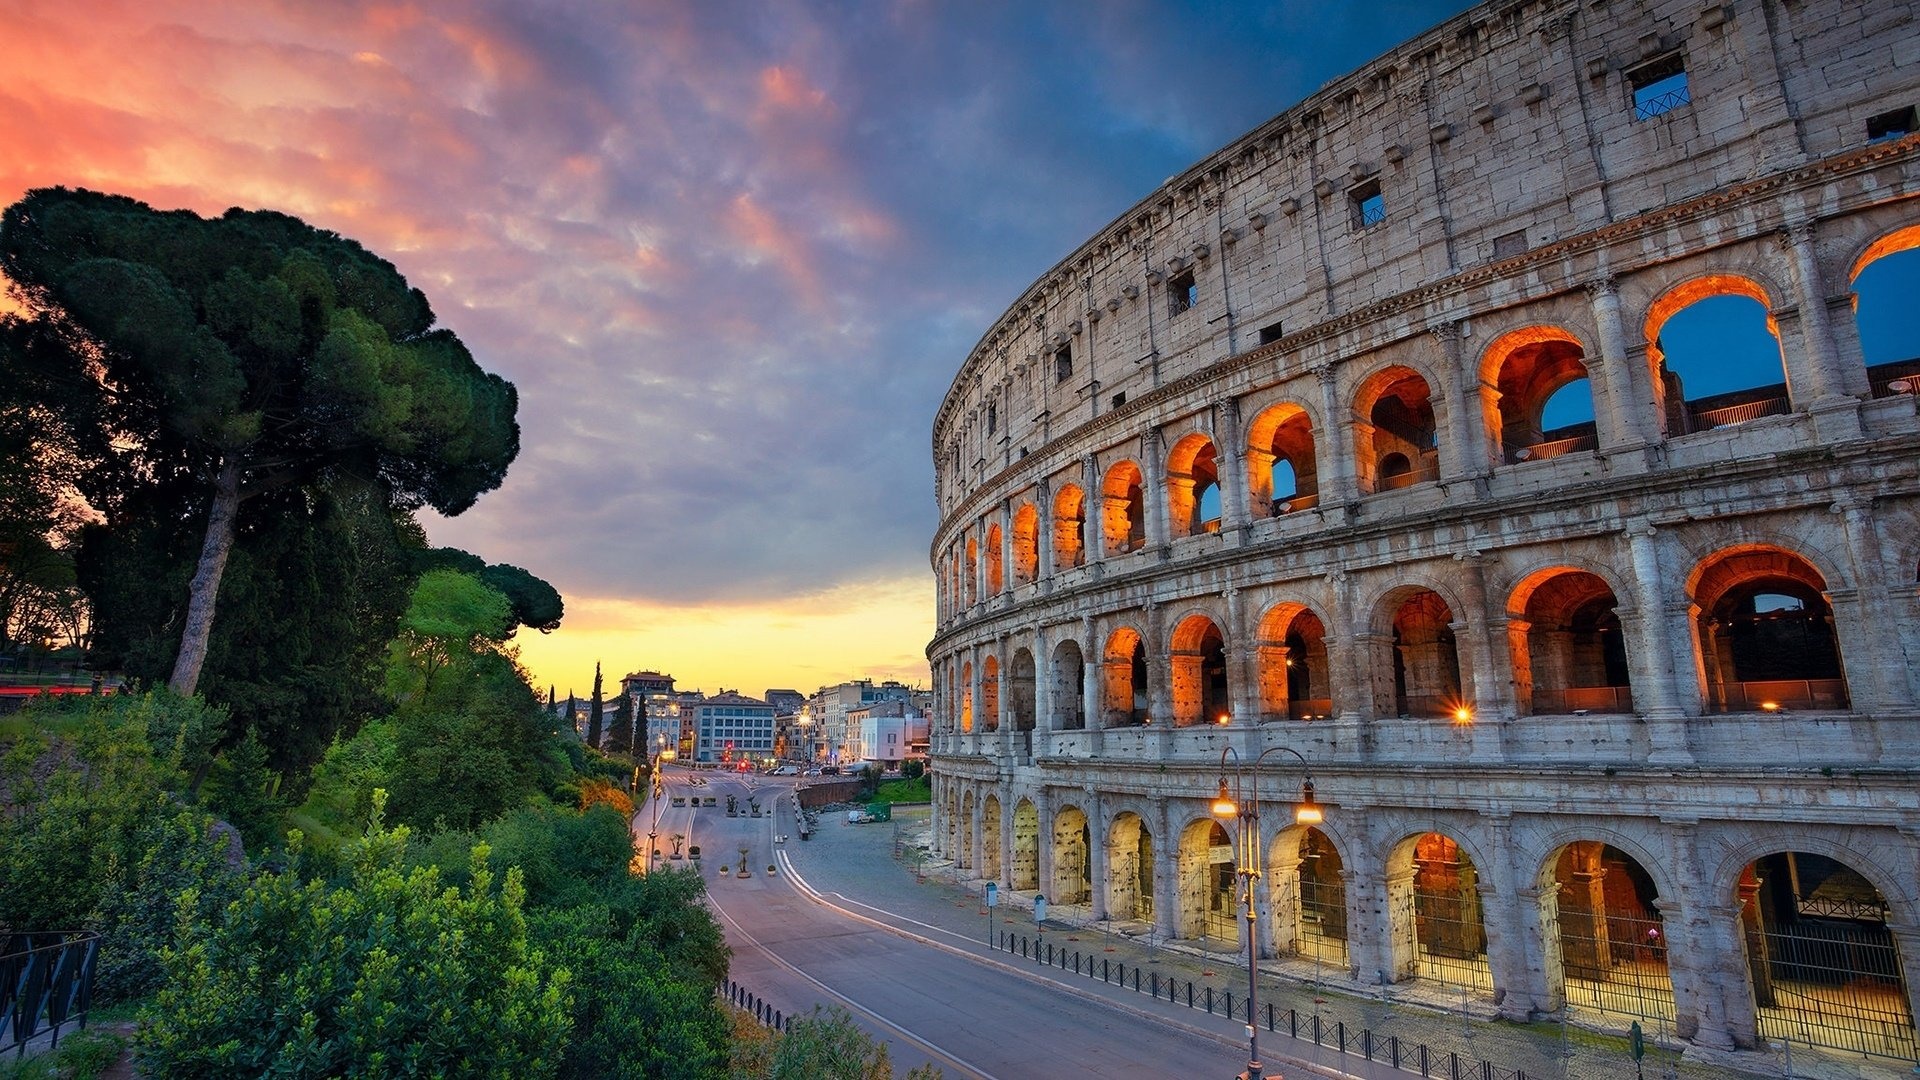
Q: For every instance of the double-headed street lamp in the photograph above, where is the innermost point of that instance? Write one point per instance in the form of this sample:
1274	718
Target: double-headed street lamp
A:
661	755
1243	801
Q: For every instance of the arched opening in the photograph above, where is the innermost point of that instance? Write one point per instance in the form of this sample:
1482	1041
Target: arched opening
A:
966	697
1824	967
1026	544
1569	655
1281	470
1129	869
1307	897
1885	280
995	579
957	824
963	854
1765	633
1123	509
1545	403
990	838
1072	858
990	694
1024	873
1433	901
1124	679
1396	441
1715	355
1021	679
1069	528
1292	655
1597	906
1198	666
1193	486
1426	661
1207	910
1068	674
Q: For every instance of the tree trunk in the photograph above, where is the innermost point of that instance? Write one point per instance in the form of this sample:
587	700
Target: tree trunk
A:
205	586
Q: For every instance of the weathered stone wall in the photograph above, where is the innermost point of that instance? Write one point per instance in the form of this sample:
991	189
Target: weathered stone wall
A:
1534	231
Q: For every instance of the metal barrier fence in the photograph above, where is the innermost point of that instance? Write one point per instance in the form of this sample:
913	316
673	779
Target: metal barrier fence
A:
1411	1057
761	1011
46	983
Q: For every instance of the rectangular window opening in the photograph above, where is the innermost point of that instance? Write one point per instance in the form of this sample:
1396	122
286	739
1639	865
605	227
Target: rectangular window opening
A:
1119	399
1181	292
1270	333
1892	125
1659	87
1063	363
1369	205
993	418
1510	245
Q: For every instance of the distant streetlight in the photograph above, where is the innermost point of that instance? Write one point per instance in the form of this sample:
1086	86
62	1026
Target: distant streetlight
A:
1242	800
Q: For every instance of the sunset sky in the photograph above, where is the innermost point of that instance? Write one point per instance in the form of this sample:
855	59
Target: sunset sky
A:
730	253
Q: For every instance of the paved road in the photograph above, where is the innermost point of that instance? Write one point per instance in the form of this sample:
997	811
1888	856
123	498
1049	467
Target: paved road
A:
971	1015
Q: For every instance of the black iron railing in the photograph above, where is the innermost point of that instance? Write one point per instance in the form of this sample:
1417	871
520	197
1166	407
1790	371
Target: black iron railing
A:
46	983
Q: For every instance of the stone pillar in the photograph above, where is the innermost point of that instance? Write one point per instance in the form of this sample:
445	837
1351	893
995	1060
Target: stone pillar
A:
1881	681
1400	926
1092	668
1510	954
1159	670
1583	912
1093	533
1538	909
1630	418
1043	842
970	857
1823	377
1043	568
1043	718
1707	963
1462	455
1492	706
1166	873
1098	862
1337	486
1654	666
1346	663
1906	943
1154	489
1003	711
1230	458
1006	546
973	703
1242	692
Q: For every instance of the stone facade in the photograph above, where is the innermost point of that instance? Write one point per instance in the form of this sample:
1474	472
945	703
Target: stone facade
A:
1263	464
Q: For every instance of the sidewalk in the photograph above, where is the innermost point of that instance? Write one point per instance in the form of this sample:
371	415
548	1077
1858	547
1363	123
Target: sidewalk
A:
859	863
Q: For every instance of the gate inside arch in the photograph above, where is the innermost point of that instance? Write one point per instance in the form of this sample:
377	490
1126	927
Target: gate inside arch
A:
1611	940
1823	963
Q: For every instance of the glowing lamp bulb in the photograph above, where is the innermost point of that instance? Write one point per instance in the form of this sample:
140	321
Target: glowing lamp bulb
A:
1223	804
1463	715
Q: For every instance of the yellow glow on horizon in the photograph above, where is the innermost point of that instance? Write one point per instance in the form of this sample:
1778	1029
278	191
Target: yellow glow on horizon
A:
875	630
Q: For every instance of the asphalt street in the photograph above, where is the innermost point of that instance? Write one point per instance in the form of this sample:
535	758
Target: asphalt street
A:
931	1001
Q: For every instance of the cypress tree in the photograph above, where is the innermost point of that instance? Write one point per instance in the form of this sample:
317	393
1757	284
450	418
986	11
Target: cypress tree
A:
620	739
593	710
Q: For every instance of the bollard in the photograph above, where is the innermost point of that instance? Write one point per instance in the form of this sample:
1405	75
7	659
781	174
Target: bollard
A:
1189	993
1340	1033
1156	982
1269	1016
1209	1001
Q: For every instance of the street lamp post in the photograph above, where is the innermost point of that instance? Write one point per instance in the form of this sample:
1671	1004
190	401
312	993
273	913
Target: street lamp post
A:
660	755
1243	801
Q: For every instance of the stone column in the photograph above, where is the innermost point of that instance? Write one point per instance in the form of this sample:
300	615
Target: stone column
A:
1463	454
1510	949
973	699
1159	669
1337	486
1707	965
1092	668
1346	664
1003	711
1166	873
1880	683
1242	693
1044	722
1093	533
1230	459
1825	377
1906	943
1491	702
1097	854
1043	883
1153	495
1654	665
1043	568
1006	546
1630	418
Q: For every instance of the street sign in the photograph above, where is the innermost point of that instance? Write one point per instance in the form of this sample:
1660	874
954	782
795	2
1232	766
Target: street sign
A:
1637	1041
1039	909
993	894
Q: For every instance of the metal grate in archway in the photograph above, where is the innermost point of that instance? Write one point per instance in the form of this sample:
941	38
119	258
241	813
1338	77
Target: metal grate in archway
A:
1616	966
1451	940
1323	921
1834	984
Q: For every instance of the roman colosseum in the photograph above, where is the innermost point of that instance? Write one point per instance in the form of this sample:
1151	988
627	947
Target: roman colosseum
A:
1495	431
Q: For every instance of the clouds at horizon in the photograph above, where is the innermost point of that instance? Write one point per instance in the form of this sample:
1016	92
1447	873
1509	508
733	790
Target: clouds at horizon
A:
731	254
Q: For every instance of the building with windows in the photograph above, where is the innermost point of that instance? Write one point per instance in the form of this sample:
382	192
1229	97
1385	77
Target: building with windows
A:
1499	429
885	734
732	727
826	712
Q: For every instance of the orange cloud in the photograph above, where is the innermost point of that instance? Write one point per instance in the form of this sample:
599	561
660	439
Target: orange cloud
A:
757	228
787	89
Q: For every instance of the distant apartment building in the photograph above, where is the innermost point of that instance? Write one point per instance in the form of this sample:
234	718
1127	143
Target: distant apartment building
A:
828	707
730	726
886	733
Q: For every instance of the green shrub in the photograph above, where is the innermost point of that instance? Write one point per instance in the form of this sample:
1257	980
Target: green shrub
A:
386	974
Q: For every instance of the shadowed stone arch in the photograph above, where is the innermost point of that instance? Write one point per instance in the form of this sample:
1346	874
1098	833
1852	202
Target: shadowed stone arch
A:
1067	671
1291	658
990	693
1072	857
1123	509
1197	664
1123	678
1130	864
1204	881
990	824
1069	527
1283	472
1436	925
1683	412
1024	870
996	579
1527	368
1026	544
1396	433
1568	647
1193	485
1763	627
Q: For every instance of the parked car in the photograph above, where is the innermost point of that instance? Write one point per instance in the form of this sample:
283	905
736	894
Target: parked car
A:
787	770
829	770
